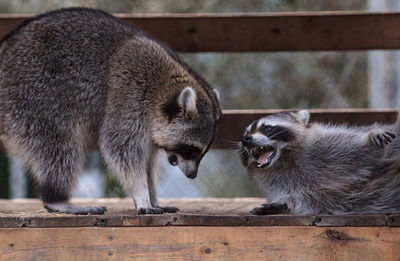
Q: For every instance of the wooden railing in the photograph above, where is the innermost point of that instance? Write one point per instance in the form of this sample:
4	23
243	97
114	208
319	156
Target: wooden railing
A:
322	31
272	32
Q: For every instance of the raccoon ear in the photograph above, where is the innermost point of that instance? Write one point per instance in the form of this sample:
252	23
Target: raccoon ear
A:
216	93
304	116
187	100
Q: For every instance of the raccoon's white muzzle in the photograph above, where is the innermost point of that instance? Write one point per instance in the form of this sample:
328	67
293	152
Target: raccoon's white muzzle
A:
188	167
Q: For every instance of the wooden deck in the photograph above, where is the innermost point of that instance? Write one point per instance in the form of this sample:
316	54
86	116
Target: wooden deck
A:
212	229
220	229
194	212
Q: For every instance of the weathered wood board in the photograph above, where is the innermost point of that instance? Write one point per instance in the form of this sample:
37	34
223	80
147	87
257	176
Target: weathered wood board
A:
194	212
262	32
212	229
200	243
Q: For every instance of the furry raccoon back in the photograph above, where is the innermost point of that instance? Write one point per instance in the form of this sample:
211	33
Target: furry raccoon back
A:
77	79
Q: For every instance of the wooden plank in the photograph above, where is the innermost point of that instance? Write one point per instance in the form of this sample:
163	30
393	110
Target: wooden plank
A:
365	220
131	219
194	212
125	206
207	220
198	243
234	122
265	32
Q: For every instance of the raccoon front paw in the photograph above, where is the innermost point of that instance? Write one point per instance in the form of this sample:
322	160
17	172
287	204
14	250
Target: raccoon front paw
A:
145	211
380	138
169	209
270	209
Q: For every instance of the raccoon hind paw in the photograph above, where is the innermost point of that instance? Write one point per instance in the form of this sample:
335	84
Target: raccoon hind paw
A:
146	211
170	209
68	208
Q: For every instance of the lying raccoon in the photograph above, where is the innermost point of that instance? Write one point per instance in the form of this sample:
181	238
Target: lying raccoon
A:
305	168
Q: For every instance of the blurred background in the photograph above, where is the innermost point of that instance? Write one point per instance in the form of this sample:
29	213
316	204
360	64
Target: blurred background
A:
279	80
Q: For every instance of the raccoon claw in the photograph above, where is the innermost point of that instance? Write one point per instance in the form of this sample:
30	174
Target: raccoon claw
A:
259	211
145	211
381	138
93	210
169	209
270	209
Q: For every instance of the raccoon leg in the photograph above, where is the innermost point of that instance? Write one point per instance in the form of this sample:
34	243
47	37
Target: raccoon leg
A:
128	160
55	164
380	138
270	209
152	181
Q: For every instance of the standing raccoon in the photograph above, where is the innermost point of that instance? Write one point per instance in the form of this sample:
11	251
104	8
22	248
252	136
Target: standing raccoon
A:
311	168
78	79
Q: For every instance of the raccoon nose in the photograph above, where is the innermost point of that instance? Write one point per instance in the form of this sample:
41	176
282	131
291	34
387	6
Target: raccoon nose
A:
192	174
246	140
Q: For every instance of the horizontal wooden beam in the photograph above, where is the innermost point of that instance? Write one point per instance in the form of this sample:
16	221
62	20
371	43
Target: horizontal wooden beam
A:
234	122
215	212
200	243
268	32
131	219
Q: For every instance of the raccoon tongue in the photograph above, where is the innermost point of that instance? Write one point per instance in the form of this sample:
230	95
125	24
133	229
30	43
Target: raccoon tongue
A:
264	157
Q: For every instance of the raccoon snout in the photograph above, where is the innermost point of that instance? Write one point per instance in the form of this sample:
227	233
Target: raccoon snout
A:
173	160
192	174
247	140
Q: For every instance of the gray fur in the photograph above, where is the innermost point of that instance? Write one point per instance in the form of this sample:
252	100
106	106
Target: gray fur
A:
79	79
328	169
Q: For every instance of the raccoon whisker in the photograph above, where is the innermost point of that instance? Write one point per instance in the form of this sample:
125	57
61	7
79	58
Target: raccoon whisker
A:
233	142
232	145
282	131
237	148
292	149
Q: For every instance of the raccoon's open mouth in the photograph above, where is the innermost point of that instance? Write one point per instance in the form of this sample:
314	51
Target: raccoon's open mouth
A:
263	155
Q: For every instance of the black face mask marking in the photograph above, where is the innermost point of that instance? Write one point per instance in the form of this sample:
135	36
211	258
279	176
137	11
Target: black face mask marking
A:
253	127
277	133
188	152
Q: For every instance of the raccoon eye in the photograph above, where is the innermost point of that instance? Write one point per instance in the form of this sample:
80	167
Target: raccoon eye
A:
173	160
266	128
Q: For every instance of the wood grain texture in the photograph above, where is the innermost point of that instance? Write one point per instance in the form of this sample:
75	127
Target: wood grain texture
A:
214	212
263	32
199	243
